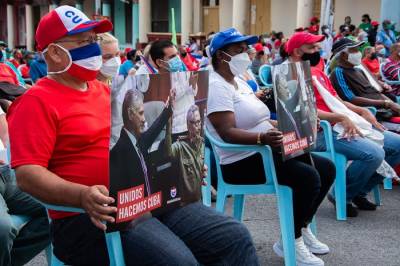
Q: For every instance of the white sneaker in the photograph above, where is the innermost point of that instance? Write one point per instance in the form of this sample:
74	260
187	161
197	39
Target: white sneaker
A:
303	256
312	243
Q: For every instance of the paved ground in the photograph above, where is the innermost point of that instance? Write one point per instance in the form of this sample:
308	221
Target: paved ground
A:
371	239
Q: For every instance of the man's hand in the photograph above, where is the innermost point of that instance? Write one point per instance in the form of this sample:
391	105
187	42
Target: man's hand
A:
273	137
350	129
367	115
194	78
95	201
132	71
260	94
394	107
387	88
171	100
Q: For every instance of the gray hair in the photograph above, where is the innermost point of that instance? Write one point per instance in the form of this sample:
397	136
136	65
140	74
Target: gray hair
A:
190	114
133	99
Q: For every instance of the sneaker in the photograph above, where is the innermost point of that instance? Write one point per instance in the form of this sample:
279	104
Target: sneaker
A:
312	243
364	204
350	209
303	256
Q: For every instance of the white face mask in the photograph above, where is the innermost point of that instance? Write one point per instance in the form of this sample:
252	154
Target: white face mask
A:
354	58
326	31
239	63
111	67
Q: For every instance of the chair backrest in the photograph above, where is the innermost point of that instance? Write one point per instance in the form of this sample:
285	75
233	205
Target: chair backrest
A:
264	150
265	75
385	79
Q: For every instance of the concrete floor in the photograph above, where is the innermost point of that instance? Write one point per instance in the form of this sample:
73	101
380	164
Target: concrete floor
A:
371	239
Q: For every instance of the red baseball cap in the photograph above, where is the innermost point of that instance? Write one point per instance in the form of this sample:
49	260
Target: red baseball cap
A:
375	23
300	38
258	46
66	20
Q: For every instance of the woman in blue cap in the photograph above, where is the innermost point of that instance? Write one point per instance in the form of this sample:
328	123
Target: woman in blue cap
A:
236	115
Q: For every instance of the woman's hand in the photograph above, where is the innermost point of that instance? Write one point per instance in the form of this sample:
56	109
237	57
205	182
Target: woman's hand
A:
273	138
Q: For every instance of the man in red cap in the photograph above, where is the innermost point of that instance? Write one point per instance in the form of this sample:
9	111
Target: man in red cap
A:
348	131
60	133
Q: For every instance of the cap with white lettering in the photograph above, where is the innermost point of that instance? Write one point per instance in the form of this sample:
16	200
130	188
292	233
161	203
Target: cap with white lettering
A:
66	20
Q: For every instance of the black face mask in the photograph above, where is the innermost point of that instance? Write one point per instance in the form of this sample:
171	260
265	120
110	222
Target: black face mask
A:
373	56
314	58
183	54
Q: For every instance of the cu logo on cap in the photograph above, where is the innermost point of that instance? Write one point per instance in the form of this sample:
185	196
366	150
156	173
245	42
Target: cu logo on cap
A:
75	18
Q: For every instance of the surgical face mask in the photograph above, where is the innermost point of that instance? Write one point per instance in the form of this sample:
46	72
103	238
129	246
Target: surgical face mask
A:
110	68
85	62
238	63
175	64
382	52
326	31
354	58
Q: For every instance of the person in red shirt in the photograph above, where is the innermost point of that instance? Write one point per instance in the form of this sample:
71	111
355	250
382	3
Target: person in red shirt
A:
366	155
60	135
371	60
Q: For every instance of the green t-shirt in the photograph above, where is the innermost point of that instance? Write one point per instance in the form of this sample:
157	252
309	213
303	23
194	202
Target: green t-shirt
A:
365	26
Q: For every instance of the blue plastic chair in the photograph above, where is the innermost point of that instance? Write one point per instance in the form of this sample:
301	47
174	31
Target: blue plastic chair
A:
265	75
206	190
340	162
283	193
113	240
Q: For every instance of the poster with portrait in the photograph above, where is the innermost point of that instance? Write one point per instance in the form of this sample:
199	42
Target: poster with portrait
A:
295	107
157	144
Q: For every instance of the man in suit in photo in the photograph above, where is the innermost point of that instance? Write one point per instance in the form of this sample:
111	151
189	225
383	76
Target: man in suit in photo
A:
129	158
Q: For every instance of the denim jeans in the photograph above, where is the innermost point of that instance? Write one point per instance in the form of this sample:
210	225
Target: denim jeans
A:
367	156
191	235
17	248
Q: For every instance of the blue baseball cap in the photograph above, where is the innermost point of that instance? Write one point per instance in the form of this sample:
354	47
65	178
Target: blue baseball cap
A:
229	36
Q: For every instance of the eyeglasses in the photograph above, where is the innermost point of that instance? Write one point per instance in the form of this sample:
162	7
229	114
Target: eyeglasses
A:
91	39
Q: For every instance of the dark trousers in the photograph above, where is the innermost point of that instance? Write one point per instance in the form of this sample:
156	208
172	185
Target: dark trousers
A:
19	246
309	184
190	235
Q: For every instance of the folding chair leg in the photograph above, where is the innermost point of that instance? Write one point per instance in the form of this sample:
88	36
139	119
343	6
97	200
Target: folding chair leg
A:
285	207
51	258
114	246
238	206
387	183
340	189
313	226
377	195
221	198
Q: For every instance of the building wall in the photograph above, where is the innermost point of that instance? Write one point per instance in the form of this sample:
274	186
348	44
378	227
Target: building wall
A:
225	14
355	9
283	16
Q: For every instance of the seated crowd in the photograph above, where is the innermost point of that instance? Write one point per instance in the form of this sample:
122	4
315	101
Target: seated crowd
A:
59	122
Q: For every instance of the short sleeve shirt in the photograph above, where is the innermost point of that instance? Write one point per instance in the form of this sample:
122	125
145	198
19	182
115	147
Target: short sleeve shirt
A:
250	113
64	130
324	80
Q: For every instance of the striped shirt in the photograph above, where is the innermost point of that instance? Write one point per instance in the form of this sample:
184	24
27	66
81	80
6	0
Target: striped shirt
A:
391	72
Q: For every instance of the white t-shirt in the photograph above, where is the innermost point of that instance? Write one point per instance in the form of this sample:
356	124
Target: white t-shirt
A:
251	114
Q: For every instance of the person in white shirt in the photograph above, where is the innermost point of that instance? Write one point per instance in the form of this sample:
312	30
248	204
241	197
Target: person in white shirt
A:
236	115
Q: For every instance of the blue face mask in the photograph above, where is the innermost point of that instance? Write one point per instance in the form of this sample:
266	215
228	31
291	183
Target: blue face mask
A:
175	65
